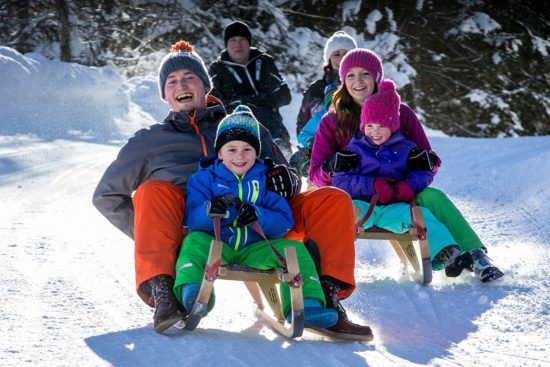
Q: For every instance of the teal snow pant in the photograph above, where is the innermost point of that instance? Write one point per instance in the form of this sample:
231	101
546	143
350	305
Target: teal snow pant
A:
397	218
448	214
194	254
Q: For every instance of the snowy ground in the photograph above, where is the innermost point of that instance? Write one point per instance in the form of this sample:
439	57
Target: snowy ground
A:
68	274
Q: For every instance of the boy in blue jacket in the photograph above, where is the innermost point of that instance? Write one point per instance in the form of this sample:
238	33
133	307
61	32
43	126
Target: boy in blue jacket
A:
233	185
386	169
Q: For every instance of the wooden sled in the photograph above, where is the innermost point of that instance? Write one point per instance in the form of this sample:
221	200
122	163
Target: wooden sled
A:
403	244
258	282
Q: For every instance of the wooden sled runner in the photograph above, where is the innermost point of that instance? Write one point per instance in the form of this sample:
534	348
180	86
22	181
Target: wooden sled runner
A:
258	282
403	243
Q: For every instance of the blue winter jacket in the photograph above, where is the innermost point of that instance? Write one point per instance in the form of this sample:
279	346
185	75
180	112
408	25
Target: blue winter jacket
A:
274	213
385	160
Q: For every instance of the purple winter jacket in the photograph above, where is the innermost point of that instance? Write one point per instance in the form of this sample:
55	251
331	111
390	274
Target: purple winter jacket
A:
386	160
325	144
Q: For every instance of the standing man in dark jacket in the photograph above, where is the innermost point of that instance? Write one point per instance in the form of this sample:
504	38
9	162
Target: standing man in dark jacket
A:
246	75
143	190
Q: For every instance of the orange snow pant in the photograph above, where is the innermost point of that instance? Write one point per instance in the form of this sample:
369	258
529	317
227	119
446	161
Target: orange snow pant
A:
324	215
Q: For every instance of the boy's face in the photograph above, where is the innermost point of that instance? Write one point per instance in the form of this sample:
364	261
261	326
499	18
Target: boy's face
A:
377	133
359	83
237	156
184	91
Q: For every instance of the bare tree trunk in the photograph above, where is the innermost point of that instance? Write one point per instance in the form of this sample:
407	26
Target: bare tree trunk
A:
64	30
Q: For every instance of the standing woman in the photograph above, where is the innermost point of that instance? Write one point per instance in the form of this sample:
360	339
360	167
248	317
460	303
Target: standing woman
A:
313	106
335	48
360	72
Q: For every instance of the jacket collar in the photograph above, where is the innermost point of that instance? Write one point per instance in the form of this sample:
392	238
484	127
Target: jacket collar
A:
395	138
212	114
254	54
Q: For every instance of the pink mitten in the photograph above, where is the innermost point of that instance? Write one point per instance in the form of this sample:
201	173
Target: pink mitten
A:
383	187
403	192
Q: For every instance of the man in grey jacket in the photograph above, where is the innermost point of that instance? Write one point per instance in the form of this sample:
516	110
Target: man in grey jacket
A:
143	191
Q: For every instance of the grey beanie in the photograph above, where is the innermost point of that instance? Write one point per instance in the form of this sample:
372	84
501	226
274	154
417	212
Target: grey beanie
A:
337	41
182	56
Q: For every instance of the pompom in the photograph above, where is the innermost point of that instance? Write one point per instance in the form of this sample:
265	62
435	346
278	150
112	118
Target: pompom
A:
386	84
181	46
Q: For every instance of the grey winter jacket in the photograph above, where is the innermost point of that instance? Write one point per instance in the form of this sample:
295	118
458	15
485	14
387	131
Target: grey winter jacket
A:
168	151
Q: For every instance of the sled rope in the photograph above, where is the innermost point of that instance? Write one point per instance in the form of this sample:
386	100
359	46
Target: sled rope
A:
367	214
294	282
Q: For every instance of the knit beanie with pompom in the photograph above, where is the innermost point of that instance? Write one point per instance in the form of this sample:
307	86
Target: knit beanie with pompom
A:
182	56
382	107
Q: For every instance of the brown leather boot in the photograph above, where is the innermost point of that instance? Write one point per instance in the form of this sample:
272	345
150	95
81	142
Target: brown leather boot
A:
331	287
168	311
345	326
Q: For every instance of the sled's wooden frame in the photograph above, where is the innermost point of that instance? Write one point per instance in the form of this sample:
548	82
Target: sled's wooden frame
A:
403	244
258	282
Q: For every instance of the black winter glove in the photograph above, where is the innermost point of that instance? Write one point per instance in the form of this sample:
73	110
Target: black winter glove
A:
282	179
341	162
421	160
300	161
246	215
217	206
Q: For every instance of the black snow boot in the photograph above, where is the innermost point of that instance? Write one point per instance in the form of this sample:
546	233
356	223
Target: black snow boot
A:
456	261
483	266
168	311
331	287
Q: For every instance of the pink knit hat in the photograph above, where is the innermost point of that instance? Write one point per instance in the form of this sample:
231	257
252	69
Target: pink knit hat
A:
363	58
382	107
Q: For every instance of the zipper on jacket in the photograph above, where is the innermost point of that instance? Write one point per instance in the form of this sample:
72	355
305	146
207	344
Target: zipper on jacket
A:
196	128
239	231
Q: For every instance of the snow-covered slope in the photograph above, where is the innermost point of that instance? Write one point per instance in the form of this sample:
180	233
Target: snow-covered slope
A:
69	295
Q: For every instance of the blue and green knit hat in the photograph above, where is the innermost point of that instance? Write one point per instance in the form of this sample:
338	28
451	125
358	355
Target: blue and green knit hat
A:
240	125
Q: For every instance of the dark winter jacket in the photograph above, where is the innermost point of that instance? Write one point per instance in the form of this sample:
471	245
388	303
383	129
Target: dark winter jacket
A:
273	211
314	97
256	84
386	160
168	151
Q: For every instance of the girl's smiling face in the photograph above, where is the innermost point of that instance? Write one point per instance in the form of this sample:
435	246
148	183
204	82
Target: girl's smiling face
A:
377	133
238	156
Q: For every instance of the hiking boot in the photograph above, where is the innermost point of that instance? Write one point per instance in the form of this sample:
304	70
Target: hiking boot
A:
483	266
167	308
331	287
345	326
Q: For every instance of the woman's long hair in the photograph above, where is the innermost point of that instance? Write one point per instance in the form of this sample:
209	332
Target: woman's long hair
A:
348	113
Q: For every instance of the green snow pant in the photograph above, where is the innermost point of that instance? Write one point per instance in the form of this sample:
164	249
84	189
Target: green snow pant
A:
448	214
194	254
397	218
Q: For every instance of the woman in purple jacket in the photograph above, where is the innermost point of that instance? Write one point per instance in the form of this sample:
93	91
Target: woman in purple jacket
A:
384	169
361	72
